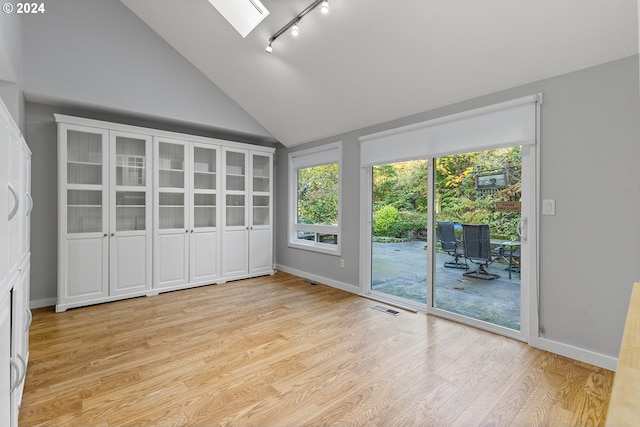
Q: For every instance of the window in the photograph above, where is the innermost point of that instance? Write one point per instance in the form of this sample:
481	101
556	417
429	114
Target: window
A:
314	198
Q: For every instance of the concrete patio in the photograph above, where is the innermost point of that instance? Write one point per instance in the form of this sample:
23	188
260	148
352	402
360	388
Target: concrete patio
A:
400	269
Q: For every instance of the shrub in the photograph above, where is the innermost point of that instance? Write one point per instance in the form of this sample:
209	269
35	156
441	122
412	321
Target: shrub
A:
401	228
384	219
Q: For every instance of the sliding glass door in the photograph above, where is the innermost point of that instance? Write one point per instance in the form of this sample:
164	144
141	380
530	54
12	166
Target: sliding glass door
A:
477	260
473	177
447	239
399	194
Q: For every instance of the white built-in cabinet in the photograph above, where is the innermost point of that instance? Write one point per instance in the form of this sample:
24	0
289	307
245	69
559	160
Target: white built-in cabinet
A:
15	219
143	211
186	214
104	215
248	213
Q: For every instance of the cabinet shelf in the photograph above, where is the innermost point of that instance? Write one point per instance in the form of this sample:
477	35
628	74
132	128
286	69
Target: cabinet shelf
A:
85	163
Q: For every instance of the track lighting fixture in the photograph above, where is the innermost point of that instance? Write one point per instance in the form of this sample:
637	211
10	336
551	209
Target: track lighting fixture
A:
293	24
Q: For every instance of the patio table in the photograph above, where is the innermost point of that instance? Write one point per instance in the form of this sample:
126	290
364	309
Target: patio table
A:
503	244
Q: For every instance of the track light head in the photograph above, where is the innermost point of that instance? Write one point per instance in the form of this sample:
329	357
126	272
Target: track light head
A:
293	24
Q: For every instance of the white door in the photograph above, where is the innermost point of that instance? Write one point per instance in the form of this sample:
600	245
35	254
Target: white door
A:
235	252
17	202
130	214
84	224
260	235
6	198
7	369
28	200
171	200
204	239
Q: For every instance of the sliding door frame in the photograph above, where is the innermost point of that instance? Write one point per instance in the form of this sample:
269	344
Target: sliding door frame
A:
529	304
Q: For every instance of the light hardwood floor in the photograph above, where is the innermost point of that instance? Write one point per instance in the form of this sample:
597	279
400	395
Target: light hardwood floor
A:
276	351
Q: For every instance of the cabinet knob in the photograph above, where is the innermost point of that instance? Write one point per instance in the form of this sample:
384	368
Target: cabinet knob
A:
192	231
186	231
105	234
113	234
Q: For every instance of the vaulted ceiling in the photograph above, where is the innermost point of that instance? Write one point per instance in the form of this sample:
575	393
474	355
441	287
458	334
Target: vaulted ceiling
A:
368	61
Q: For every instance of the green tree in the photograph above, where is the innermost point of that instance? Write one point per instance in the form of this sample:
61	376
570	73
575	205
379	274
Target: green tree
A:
318	195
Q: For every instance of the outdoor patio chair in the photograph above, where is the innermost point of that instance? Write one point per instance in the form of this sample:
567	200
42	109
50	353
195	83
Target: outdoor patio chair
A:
447	238
477	249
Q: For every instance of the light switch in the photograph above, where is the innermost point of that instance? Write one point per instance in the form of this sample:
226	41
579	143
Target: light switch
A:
548	207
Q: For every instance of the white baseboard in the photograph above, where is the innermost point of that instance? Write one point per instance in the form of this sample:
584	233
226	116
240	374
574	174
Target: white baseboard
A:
576	353
320	279
45	302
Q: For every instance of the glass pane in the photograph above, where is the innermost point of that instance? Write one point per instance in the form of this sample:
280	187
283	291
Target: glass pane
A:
204	180
235	210
399	235
260	173
130	161
171	210
317	201
204	210
329	239
260	184
130	210
171	165
306	235
477	259
204	168
84	211
260	210
84	158
235	173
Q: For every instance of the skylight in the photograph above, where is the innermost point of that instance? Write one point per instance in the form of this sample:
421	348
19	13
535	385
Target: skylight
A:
243	15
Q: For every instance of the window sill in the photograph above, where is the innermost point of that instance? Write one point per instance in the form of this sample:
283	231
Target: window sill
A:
316	247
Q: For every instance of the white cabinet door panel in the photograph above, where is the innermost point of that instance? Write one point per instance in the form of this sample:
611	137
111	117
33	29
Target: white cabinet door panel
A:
171	260
129	264
5	366
260	257
235	252
204	256
86	266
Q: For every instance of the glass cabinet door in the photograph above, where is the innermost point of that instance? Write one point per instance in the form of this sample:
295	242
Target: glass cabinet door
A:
235	210
235	198
261	185
130	175
171	210
84	211
171	176
204	186
84	158
85	163
235	175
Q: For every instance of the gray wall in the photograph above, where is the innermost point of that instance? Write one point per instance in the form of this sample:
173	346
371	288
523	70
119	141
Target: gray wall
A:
97	53
589	250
